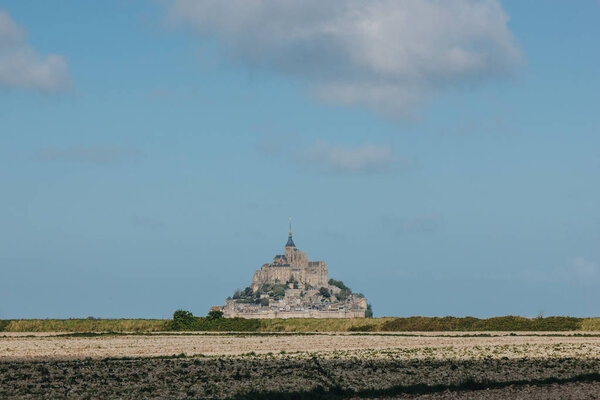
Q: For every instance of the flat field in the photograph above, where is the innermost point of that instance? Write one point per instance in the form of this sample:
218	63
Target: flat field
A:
300	365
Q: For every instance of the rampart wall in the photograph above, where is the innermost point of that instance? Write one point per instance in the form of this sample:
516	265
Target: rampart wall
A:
295	314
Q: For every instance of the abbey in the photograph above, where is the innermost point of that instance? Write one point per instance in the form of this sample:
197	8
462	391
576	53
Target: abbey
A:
291	286
291	266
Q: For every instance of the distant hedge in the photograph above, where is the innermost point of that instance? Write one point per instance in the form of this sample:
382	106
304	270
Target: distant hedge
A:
3	324
508	323
184	321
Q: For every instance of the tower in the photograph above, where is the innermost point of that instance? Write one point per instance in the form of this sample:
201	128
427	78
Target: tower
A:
290	242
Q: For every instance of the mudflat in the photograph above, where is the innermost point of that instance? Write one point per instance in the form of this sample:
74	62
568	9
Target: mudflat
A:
302	366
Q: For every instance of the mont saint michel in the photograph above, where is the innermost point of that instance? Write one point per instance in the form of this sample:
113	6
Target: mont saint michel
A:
292	286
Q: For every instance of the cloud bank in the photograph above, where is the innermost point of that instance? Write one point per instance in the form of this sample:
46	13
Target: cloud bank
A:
21	66
387	55
367	158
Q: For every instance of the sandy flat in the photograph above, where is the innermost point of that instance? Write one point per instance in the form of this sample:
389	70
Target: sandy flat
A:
27	347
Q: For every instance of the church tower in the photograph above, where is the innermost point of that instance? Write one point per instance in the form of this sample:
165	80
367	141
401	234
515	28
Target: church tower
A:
290	242
295	257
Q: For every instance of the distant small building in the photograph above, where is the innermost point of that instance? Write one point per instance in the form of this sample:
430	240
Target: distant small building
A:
291	286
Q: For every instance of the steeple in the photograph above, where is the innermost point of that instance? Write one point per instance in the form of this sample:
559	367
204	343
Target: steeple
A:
290	242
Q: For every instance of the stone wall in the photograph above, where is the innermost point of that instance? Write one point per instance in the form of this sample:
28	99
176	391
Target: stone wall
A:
314	273
295	314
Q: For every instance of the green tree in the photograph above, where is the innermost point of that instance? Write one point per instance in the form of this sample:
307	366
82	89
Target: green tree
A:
343	294
339	284
369	312
324	292
266	288
215	314
278	291
182	319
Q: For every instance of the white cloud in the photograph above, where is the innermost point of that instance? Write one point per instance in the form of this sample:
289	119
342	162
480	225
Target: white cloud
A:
22	67
387	55
366	158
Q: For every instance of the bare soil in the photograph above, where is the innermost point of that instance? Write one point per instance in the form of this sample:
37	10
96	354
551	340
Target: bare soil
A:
301	366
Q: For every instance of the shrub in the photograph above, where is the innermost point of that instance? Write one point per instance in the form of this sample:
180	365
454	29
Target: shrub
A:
339	284
264	302
266	288
185	321
508	323
215	314
226	325
369	312
343	294
3	324
324	292
278	291
182	320
363	328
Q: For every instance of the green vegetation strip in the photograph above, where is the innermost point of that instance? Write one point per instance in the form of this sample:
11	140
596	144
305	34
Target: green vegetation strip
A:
188	322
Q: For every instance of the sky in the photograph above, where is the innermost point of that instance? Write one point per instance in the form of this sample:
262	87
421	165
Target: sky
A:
443	157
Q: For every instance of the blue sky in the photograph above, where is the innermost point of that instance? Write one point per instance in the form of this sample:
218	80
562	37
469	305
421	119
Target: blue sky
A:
441	157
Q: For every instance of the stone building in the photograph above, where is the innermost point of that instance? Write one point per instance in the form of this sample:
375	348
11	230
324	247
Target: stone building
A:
291	286
292	265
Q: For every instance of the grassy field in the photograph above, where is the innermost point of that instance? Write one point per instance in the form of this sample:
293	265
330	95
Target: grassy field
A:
84	325
388	324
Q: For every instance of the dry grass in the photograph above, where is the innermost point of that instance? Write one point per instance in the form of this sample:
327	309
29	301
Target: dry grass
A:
85	325
311	325
591	324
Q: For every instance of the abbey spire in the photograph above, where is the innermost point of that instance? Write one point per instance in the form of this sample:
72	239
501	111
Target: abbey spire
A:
290	242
